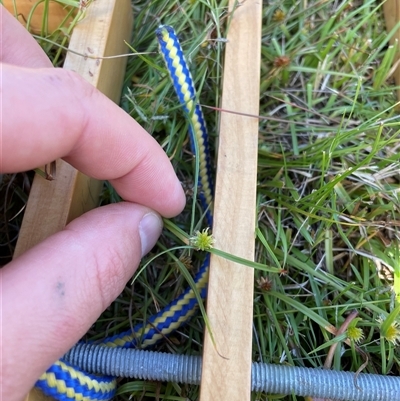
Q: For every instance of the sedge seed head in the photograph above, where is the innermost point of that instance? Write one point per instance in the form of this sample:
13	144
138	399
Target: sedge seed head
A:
279	16
264	283
187	261
202	240
355	334
281	61
392	333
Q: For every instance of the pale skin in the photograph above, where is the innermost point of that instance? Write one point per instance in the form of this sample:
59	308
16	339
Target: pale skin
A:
52	293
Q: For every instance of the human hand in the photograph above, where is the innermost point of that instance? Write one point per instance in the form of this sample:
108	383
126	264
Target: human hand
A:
54	292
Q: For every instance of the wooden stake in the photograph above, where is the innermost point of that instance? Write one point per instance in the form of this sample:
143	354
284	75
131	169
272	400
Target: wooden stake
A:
226	374
52	204
391	9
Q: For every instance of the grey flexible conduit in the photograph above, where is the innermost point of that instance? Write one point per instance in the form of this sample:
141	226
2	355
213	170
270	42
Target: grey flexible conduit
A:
268	378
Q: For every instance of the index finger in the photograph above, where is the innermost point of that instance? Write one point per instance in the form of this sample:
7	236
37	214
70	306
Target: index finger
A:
52	113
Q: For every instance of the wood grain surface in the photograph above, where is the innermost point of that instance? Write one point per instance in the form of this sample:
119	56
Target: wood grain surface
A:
226	372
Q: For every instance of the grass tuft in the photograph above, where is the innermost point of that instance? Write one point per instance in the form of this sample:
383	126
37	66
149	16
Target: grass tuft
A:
328	178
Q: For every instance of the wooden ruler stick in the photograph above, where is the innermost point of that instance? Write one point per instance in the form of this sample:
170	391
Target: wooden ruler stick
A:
226	374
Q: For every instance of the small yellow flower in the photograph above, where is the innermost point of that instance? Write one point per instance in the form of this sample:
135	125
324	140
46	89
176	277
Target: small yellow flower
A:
355	334
393	333
390	333
202	240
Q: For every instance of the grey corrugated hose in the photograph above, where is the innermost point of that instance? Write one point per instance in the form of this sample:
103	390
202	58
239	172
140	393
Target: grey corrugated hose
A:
268	378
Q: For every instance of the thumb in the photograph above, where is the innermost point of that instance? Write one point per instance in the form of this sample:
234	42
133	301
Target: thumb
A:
54	292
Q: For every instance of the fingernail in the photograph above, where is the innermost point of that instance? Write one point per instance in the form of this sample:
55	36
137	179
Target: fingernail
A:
149	230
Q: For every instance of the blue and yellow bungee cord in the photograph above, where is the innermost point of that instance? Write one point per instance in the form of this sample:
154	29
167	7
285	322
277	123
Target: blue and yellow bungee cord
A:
67	383
184	88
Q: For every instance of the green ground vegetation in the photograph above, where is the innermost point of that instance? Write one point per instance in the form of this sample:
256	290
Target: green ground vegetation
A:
328	204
